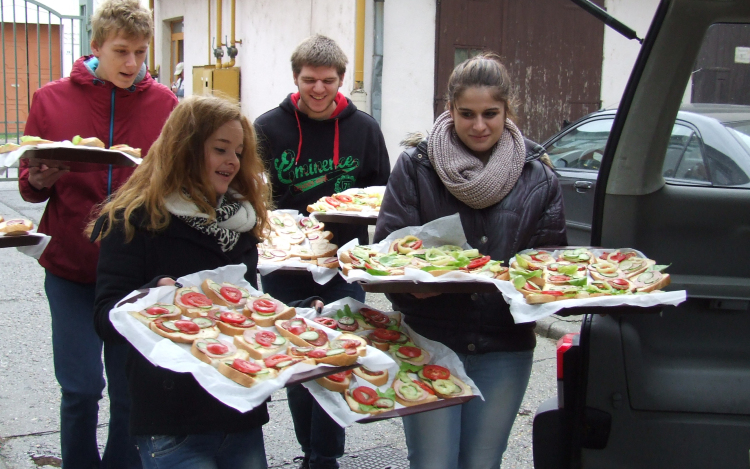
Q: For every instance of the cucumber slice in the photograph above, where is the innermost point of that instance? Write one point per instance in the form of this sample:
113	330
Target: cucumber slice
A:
411	391
170	325
384	403
336	351
279	340
309	335
347	320
284	363
304	349
203	322
445	386
404	377
421	375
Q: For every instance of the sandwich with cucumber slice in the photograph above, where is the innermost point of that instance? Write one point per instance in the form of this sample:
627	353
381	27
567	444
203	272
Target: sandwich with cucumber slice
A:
366	400
185	330
211	351
265	310
445	384
246	372
261	343
410	392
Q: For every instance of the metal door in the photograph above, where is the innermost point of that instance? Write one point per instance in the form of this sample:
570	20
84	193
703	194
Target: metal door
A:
552	48
38	45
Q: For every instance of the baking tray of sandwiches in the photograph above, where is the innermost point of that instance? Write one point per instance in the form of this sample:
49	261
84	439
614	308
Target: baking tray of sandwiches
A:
78	155
15	232
352	206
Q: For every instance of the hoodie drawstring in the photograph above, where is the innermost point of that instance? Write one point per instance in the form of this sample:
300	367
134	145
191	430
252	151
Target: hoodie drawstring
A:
299	127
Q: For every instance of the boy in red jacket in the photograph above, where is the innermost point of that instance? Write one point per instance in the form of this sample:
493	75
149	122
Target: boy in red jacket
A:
109	95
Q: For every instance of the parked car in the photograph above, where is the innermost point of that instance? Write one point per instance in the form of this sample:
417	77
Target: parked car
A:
664	387
709	145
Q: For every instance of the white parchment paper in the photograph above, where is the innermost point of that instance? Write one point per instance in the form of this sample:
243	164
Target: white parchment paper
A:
367	212
177	357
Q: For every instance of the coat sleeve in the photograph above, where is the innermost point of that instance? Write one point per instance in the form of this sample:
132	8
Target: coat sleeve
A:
381	163
34	126
400	205
119	272
550	230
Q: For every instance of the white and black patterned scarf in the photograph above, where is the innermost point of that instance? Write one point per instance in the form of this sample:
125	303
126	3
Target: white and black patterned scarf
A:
232	217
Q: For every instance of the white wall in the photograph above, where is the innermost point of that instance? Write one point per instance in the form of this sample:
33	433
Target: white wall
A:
620	53
408	70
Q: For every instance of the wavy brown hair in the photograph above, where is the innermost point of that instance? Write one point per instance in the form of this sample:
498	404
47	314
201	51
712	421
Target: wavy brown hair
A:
176	164
483	70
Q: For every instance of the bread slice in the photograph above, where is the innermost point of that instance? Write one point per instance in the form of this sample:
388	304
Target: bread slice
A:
355	406
214	292
28	140
651	280
335	386
9	147
16	226
265	319
136	152
376	379
246	341
422	359
410	394
171	329
319	341
191	310
228	369
88	142
156	311
229	322
329	262
211	351
326	356
319	235
451	387
350	341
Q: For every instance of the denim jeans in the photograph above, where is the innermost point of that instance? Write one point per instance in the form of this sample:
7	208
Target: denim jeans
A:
210	451
473	435
77	354
321	438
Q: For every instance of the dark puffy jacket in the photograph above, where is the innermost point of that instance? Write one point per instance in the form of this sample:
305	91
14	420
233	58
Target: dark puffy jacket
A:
531	215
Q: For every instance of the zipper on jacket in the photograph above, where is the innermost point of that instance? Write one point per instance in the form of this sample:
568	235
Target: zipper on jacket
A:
111	136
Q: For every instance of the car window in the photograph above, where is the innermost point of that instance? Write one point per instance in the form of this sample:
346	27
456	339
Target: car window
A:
581	147
684	157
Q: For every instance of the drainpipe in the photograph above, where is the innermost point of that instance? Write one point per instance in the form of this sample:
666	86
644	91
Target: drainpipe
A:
209	32
376	90
359	96
153	70
218	51
232	47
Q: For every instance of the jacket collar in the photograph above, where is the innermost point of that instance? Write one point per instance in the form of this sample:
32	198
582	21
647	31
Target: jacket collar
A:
84	73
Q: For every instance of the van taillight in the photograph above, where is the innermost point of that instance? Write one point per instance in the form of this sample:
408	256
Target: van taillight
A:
563	345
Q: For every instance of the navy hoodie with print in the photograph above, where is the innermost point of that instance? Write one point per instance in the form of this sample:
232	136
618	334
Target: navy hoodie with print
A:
309	159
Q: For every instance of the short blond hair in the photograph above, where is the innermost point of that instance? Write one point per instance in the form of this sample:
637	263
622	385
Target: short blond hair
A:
319	51
126	17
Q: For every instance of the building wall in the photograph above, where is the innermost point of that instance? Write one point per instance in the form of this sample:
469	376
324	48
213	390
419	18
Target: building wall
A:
408	70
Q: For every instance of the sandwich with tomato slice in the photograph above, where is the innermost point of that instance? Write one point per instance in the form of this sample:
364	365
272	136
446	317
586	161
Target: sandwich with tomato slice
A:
211	351
382	339
261	343
406	245
377	378
336	382
193	303
409	353
366	400
231	322
445	384
559	273
410	392
185	330
374	319
576	256
159	310
298	332
281	361
651	280
246	372
265	310
225	294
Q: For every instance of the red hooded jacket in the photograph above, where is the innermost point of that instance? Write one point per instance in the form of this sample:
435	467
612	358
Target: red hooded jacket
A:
90	107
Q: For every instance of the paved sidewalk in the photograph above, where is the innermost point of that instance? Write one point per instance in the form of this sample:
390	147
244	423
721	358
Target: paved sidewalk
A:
554	327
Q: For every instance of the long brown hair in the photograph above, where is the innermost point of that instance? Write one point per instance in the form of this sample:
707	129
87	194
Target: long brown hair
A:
176	164
483	70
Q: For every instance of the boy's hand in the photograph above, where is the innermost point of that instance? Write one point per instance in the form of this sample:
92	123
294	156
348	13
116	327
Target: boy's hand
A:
42	176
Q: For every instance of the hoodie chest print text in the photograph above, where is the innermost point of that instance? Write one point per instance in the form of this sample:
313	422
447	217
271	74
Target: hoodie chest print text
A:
305	176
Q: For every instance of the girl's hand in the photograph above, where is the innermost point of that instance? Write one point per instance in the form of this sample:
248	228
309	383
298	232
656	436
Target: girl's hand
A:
165	282
318	305
422	296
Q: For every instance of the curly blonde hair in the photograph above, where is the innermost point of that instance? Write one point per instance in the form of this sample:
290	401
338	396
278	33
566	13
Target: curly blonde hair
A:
176	164
126	17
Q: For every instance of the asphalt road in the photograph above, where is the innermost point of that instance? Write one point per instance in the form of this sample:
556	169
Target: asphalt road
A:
30	396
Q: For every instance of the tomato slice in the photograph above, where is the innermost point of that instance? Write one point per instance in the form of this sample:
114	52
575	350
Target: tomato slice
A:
365	395
411	352
344	198
231	294
620	281
265	338
434	372
245	366
477	263
187	326
317	353
337	377
416	244
553	292
274	360
617	257
217	349
328	322
531	286
195	299
263	305
422	385
559	278
231	317
332	202
156	311
295	327
386	334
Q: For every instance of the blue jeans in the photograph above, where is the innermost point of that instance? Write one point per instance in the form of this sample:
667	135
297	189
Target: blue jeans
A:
243	450
321	438
475	434
77	354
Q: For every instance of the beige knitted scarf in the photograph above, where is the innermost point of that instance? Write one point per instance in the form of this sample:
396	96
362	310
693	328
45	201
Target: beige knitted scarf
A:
473	183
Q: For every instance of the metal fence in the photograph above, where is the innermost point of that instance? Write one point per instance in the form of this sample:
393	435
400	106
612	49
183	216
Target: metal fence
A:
39	45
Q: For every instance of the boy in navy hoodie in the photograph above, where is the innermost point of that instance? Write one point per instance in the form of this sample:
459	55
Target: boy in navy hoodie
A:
315	144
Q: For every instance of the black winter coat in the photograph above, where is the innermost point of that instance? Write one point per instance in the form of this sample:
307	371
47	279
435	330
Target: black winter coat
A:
164	402
530	216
